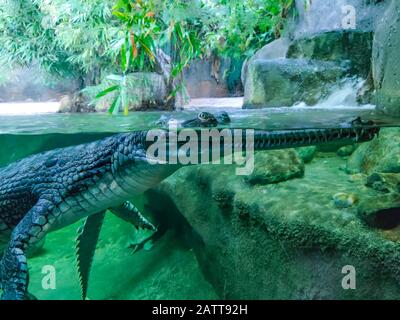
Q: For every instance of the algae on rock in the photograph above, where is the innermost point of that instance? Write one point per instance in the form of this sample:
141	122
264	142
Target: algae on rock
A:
379	155
286	240
276	166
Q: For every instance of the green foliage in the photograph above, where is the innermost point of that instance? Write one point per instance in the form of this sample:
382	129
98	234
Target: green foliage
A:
24	40
84	29
66	38
149	25
90	39
238	28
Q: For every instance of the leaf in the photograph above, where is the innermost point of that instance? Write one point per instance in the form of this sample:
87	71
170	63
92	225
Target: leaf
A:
122	4
147	49
123	58
121	16
106	91
179	31
115	77
114	106
175	91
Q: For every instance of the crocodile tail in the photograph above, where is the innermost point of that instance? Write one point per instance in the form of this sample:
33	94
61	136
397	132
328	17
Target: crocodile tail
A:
88	235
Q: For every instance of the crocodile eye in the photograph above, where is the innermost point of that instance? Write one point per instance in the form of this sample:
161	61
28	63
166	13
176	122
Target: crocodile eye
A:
203	116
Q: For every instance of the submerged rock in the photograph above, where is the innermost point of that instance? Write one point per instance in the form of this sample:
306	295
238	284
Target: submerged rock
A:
385	182
344	200
346	151
284	240
307	154
379	155
382	211
276	166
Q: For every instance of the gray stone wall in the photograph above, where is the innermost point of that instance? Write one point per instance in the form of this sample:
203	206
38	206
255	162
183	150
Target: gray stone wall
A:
31	84
370	48
385	61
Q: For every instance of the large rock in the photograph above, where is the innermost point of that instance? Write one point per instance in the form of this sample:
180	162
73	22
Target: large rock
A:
286	240
146	90
386	67
32	84
284	82
213	77
380	155
275	50
354	46
76	102
320	31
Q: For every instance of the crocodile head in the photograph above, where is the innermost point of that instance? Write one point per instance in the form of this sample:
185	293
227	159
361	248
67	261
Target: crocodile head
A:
203	119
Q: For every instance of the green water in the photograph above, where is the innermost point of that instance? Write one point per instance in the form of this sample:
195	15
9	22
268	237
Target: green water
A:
263	119
190	260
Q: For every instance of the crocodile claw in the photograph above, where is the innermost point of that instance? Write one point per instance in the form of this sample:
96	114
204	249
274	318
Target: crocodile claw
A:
135	247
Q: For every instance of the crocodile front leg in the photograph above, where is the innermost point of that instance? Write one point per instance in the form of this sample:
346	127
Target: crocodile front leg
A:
13	268
128	212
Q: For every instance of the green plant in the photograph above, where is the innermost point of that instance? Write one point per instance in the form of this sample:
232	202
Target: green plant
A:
241	27
20	23
148	26
103	41
68	39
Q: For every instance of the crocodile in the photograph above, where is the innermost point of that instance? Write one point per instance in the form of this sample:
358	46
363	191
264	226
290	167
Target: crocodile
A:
51	190
204	119
89	232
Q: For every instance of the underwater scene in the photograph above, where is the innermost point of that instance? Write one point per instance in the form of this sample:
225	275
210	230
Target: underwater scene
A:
199	150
